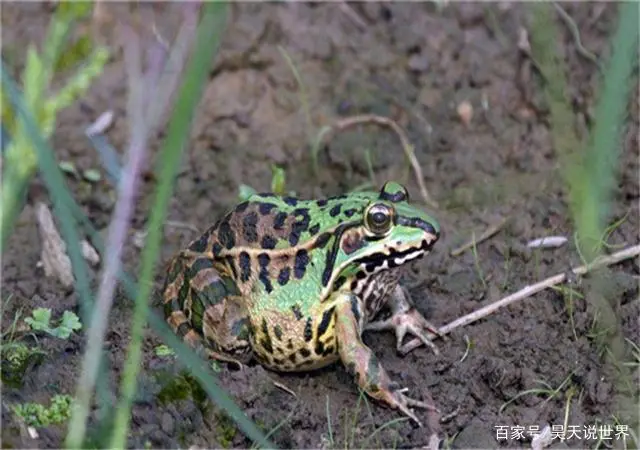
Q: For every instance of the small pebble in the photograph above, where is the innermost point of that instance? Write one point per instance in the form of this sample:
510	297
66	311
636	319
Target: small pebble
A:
465	112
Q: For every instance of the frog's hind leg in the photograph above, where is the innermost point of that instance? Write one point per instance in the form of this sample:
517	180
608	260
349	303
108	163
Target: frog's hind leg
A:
406	318
204	309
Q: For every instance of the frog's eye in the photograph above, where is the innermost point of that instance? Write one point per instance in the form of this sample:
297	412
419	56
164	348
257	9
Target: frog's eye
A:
378	219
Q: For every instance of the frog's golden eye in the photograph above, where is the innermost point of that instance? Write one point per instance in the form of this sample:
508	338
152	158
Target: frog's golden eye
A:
378	219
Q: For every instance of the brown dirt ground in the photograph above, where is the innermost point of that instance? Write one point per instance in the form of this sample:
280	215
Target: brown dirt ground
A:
414	64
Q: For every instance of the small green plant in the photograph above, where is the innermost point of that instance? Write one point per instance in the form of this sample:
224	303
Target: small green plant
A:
278	185
164	350
57	57
16	357
41	321
37	415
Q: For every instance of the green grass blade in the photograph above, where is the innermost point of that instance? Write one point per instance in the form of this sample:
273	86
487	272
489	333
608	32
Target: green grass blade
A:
186	356
591	192
60	196
208	39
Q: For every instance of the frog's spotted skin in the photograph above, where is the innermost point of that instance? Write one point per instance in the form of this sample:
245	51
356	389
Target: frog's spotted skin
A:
295	282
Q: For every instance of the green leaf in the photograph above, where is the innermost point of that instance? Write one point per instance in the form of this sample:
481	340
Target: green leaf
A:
68	167
277	180
76	52
164	350
92	175
40	320
70	323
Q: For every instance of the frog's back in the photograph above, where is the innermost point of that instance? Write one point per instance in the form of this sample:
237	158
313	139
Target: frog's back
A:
267	223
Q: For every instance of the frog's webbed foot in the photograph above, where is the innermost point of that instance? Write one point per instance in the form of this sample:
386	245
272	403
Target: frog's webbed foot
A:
363	364
406	318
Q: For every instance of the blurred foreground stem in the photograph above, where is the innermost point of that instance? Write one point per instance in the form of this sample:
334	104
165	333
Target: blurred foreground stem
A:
591	174
209	34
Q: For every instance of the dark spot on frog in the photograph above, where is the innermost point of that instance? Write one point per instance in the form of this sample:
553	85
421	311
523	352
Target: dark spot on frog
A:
216	249
335	210
296	311
319	349
321	202
264	260
278	361
277	330
292	357
328	351
308	332
350	212
278	221
242	207
290	344
266	344
268	242
361	275
322	240
314	229
245	266
200	245
305	353
300	225
249	228
351	368
265	208
355	309
283	276
300	264
200	264
266	338
339	282
324	323
291	201
225	235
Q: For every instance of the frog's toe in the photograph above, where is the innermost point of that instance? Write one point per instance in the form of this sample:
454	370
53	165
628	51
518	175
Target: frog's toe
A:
409	321
412	321
397	399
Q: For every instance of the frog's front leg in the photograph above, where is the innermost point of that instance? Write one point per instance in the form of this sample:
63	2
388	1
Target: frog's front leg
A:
405	317
205	309
362	363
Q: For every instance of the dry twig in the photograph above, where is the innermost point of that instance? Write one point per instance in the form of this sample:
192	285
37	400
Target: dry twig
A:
493	229
284	388
575	32
530	290
350	122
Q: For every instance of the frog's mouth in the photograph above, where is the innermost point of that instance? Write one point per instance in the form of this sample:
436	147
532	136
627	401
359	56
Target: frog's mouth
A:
394	257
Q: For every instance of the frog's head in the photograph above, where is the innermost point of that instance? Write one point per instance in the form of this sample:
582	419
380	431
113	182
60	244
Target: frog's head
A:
389	232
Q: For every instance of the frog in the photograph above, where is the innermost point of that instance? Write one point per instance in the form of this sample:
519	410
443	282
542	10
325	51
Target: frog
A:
293	284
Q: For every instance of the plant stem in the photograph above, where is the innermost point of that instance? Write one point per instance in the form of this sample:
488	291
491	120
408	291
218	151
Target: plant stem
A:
208	38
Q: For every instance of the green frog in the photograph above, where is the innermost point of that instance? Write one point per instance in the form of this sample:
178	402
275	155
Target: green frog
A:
294	283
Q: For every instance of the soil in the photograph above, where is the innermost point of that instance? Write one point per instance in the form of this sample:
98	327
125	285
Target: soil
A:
415	64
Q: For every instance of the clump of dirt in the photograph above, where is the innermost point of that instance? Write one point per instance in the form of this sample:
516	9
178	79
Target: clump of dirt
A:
416	64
